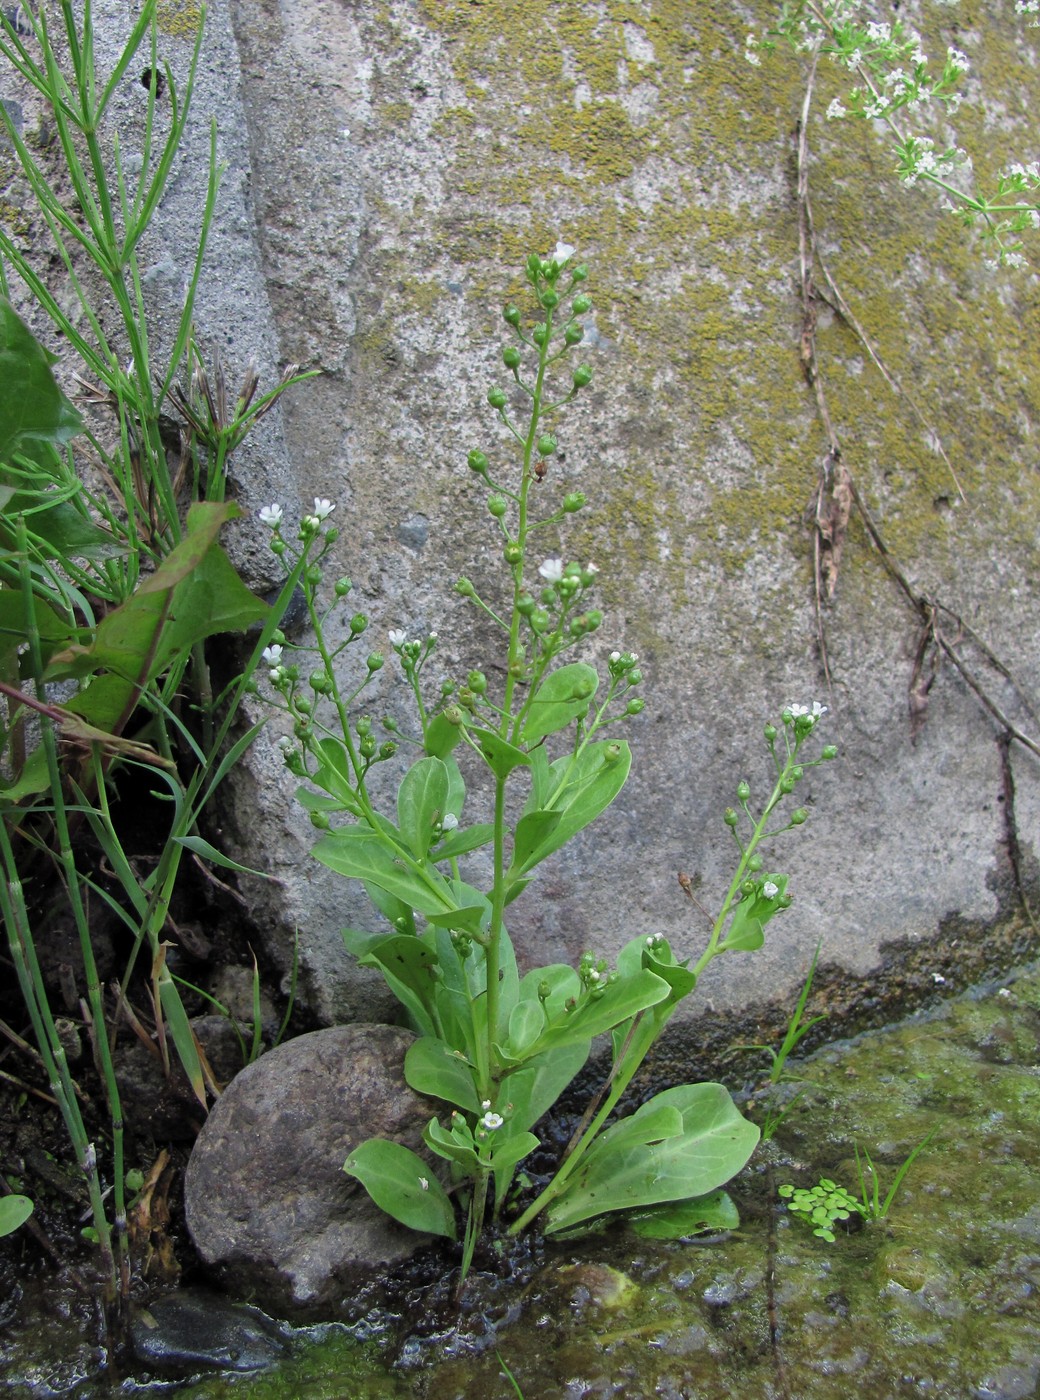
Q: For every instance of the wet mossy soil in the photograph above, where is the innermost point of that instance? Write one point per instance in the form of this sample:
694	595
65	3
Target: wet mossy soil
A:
939	1299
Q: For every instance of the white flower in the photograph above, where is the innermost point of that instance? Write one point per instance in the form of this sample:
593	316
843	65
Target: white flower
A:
310	525
835	110
564	253
654	939
398	636
449	822
323	508
591	568
271	516
551	570
273	655
491	1121
938	978
615	656
959	59
818	709
424	1183
770	890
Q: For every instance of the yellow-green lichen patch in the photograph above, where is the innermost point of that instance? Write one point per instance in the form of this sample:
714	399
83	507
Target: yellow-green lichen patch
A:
178	18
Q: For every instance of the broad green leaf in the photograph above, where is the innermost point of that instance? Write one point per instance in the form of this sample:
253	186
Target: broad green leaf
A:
747	927
31	405
532	832
193	594
500	756
35	777
680	1220
432	1067
14	1212
510	1148
441	736
620	1001
362	855
563	697
422	802
63	531
680	979
403	1185
526	1023
619	1172
590	784
560	979
409	989
532	1090
450	1145
465	920
53	629
463	840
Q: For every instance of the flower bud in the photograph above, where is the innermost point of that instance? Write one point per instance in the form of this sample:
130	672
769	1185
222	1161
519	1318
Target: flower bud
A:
477	682
573	334
582	376
579	273
477	462
743	791
635	706
375	661
730	817
611	754
593	619
550	300
497	506
358	623
277	546
278	638
786	784
513	554
320	820
525	605
534	265
829	752
464	588
320	683
303	705
364	727
368	747
511	357
313	575
546	445
539	620
342	587
635	676
331	536
755	863
784	901
453	715
748	887
539	333
544	990
797	773
387	749
511	316
770	733
496	398
799	816
574	501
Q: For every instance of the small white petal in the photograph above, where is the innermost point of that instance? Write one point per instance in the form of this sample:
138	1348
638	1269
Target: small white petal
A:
564	253
551	570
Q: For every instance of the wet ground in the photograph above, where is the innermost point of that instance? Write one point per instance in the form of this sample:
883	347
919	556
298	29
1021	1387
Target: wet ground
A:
940	1299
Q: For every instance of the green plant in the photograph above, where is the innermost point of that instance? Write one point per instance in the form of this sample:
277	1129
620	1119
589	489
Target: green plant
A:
797	1028
870	1194
823	1204
896	84
112	576
820	1206
496	1045
14	1212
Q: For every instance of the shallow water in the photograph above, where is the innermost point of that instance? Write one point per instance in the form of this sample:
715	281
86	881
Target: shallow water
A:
941	1299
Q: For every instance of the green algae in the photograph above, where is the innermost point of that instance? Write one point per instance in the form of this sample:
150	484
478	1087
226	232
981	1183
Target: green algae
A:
940	1298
